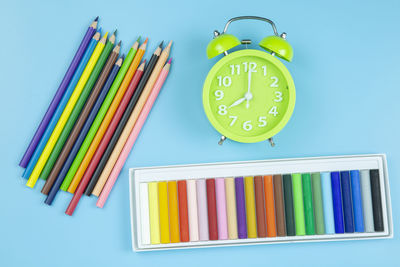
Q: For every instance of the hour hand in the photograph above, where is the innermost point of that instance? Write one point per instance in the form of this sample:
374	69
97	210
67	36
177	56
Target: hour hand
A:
237	102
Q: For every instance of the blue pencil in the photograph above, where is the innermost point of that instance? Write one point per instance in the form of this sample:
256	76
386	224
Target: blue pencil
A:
60	108
82	134
347	202
337	202
327	201
357	201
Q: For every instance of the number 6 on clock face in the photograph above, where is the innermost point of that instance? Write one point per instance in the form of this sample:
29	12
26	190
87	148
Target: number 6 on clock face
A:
248	96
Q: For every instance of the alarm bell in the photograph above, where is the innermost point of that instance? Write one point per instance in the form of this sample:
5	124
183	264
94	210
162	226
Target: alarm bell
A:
275	44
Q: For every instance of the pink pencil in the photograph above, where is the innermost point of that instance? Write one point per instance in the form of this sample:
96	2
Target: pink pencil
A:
133	135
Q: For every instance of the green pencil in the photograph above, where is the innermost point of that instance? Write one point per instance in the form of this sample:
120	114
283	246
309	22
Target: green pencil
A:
78	107
99	117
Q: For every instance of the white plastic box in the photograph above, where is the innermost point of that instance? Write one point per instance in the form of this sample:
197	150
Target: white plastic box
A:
253	168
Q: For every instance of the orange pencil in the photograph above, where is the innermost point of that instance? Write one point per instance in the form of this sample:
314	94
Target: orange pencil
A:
269	205
107	119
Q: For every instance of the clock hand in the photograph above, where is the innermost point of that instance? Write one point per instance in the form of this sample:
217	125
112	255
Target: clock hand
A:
248	89
237	102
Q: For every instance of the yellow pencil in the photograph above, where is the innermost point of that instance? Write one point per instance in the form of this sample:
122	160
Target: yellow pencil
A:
250	207
67	111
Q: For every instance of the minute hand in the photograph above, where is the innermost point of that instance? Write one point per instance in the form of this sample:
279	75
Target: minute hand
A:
248	89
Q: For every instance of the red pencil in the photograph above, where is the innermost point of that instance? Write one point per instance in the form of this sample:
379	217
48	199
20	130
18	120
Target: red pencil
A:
212	209
183	211
106	138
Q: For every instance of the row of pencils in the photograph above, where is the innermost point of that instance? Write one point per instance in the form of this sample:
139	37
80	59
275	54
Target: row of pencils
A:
94	118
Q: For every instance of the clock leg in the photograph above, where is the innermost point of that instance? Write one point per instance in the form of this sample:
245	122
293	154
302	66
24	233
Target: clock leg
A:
271	142
221	141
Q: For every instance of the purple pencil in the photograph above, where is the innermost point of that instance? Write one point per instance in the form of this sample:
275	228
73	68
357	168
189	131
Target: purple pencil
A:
240	208
60	91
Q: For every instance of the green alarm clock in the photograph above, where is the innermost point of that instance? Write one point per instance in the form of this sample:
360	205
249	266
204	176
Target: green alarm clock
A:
249	95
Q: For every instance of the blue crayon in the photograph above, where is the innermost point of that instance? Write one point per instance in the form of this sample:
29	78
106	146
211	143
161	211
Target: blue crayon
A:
71	156
357	201
337	203
327	202
347	202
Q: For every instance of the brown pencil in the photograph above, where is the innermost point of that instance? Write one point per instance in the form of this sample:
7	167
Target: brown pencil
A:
81	120
132	120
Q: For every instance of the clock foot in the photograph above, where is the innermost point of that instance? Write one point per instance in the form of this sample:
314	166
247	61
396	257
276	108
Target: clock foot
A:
271	142
221	141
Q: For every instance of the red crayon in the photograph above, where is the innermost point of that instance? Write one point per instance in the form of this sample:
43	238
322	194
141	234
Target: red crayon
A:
212	209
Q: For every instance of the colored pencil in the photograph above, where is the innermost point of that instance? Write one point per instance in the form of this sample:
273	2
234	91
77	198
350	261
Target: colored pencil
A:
279	205
337	202
328	202
212	209
66	113
133	135
88	174
318	203
113	98
240	208
173	211
111	130
347	202
231	208
376	200
289	208
260	208
59	94
269	206
76	111
357	201
144	94
61	174
202	209
250	207
221	208
367	201
192	210
183	211
163	210
298	204
308	204
83	117
154	213
60	108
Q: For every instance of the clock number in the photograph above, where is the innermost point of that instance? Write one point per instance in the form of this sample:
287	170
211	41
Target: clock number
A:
265	70
262	121
245	66
219	94
233	69
247	126
253	66
275	81
226	81
273	111
234	118
222	110
278	96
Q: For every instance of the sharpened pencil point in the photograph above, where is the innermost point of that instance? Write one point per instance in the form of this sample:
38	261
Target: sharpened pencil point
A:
161	44
96	19
115	32
138	39
119	43
169	61
145	41
99	30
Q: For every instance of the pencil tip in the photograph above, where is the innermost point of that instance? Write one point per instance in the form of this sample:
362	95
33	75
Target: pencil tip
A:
115	32
138	39
99	30
96	19
169	61
119	43
170	43
161	44
145	41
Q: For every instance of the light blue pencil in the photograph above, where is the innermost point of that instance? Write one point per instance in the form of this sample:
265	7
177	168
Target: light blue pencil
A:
60	108
328	204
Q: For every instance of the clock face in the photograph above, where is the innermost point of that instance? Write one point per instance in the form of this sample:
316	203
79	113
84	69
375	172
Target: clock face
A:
249	96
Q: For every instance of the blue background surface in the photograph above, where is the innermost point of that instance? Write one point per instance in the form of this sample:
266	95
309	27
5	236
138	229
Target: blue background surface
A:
347	76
